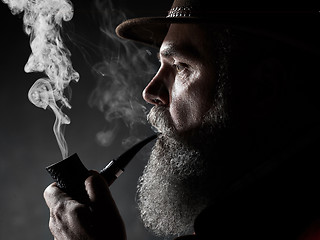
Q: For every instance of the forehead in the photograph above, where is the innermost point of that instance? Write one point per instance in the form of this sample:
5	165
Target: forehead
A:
185	40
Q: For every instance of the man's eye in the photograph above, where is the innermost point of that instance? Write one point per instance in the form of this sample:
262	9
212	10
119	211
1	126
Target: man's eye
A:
180	66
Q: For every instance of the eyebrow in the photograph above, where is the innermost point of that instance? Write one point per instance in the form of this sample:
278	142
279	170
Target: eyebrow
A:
181	50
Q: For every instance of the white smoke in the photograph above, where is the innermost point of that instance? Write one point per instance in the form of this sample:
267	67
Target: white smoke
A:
122	75
43	22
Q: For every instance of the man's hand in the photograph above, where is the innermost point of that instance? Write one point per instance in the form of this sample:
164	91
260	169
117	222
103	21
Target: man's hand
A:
69	219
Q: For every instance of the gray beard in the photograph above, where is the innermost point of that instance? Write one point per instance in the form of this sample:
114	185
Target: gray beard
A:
181	177
177	182
171	191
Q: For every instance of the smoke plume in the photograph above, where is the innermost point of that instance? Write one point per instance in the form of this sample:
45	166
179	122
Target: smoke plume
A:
122	74
43	22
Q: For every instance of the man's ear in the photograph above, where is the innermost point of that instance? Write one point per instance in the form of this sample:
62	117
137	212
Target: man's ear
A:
269	77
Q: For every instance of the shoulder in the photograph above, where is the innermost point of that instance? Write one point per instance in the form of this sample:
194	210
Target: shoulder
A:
281	204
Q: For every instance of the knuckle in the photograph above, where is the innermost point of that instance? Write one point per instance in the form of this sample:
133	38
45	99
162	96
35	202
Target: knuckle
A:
57	211
49	191
77	210
52	224
69	208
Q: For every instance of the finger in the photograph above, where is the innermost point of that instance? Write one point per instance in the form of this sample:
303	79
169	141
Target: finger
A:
53	194
98	190
104	208
100	196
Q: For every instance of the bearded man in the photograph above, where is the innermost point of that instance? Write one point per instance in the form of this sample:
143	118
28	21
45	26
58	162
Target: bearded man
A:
235	102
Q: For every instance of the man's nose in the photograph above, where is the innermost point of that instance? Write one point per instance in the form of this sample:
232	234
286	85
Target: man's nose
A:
156	92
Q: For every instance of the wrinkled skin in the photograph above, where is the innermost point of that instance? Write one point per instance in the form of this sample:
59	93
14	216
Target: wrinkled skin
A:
69	219
184	83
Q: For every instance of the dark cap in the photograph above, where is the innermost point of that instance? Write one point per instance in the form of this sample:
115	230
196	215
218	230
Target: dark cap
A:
300	24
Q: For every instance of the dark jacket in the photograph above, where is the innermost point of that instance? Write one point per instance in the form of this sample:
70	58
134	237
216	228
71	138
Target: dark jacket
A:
279	199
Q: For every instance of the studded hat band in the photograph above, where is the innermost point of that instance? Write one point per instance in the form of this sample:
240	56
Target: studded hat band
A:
180	12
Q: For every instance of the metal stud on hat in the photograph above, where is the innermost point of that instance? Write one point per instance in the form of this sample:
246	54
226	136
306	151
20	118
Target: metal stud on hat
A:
180	12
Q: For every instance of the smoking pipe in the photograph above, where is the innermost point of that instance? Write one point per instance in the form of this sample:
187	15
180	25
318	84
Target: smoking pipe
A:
70	173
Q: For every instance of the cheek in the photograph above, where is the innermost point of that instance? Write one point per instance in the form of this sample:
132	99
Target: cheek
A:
182	114
189	104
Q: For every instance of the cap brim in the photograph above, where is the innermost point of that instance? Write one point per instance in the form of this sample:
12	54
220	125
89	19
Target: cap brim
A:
294	28
149	30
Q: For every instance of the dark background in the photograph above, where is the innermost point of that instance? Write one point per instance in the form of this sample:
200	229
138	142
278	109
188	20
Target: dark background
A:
27	142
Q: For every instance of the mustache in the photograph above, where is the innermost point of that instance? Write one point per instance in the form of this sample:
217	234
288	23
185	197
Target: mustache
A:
160	119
